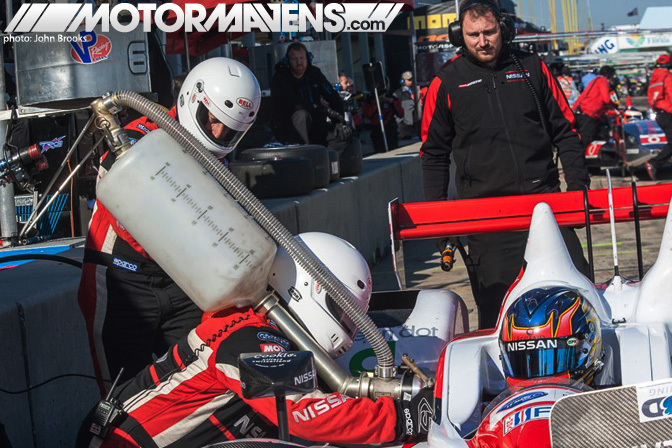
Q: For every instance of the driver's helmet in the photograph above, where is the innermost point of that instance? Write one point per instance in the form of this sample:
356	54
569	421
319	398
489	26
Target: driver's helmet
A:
633	115
227	89
551	332
307	299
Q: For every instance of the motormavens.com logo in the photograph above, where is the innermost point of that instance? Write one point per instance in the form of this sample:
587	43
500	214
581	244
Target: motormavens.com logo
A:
239	17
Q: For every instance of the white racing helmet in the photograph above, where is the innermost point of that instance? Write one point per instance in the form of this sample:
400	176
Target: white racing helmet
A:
227	89
308	301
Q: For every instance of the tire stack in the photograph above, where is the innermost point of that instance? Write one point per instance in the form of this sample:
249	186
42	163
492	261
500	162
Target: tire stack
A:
294	170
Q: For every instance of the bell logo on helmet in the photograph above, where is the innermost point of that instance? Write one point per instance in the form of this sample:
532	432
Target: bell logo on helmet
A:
244	103
294	294
206	101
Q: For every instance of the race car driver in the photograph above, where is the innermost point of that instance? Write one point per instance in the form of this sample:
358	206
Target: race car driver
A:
191	396
132	308
551	346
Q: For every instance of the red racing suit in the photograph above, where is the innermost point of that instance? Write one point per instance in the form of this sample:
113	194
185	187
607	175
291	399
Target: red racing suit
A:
660	90
131	307
660	99
191	396
596	99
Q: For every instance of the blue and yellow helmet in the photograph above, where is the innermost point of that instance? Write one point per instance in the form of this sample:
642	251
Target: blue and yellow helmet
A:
551	332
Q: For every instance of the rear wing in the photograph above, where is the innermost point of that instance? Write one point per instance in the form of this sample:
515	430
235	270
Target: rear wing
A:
426	220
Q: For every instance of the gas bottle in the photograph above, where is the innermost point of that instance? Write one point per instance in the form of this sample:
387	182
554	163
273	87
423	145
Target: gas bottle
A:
188	223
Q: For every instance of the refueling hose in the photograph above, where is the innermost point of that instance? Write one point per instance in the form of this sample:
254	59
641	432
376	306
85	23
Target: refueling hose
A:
299	253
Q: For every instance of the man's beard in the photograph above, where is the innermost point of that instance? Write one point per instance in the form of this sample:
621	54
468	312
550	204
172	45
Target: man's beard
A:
483	58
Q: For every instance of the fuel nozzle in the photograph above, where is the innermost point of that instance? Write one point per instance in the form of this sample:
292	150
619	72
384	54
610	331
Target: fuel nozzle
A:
105	110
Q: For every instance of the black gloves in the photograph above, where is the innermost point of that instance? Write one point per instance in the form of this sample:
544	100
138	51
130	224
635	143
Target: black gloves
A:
415	415
343	132
335	116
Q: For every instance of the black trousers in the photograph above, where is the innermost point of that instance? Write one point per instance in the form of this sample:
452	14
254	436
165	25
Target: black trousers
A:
664	120
390	134
132	316
310	128
496	260
589	128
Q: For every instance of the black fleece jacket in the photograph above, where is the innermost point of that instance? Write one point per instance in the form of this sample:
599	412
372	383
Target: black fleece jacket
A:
489	120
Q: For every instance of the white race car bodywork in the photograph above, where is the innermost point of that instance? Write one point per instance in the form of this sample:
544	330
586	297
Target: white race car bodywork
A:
636	326
437	317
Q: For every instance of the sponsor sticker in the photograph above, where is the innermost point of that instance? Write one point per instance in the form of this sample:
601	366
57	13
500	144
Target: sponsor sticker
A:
271	348
125	264
593	150
470	83
522	399
654	401
91	48
653	139
51	144
516	76
143	128
263	336
516	419
304	378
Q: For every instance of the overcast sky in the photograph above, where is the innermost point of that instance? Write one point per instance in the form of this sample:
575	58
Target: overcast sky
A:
609	12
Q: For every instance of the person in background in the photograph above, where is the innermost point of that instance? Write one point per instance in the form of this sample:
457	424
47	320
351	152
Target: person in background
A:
567	85
391	110
660	100
593	105
501	131
409	97
305	107
588	77
347	84
351	100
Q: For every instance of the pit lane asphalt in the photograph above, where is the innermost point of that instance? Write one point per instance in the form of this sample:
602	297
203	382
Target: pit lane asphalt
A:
422	258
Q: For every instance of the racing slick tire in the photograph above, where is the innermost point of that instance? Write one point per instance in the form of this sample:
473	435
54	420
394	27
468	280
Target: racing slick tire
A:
319	155
351	159
276	178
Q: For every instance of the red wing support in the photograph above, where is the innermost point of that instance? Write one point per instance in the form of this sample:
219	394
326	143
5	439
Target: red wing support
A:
424	220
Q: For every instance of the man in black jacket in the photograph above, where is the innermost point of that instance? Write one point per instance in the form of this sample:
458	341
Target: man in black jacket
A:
302	98
501	126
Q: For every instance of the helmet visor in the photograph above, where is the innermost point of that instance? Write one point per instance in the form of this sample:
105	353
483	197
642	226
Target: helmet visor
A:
339	315
216	131
534	358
